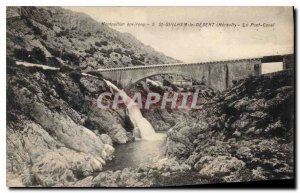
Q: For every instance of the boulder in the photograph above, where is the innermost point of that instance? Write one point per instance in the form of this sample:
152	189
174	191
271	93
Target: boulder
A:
120	137
106	139
219	165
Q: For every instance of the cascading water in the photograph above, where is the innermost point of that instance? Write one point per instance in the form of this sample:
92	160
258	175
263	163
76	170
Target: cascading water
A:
145	128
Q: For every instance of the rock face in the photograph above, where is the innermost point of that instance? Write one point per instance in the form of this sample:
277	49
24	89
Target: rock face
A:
164	119
55	133
56	36
244	133
209	166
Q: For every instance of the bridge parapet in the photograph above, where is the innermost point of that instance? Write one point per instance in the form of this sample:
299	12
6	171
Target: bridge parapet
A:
175	65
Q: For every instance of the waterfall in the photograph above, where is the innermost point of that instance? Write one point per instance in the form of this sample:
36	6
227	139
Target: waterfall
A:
145	128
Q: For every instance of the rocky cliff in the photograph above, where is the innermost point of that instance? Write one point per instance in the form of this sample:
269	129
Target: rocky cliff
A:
250	130
55	132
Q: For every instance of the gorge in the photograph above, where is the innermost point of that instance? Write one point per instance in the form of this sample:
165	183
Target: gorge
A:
57	136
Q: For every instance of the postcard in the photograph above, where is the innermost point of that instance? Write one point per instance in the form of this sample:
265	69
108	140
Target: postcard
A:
150	96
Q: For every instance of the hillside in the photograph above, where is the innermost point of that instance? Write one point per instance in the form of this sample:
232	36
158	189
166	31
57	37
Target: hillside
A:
250	127
56	37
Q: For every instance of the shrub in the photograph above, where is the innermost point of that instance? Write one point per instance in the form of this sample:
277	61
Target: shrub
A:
53	52
76	76
106	53
91	51
104	43
118	50
38	54
48	25
100	62
128	52
22	54
62	33
44	37
101	43
35	55
142	57
98	44
71	57
53	61
137	62
88	34
65	69
37	31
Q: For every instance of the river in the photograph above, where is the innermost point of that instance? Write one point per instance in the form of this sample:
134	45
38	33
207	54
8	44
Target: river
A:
131	155
145	150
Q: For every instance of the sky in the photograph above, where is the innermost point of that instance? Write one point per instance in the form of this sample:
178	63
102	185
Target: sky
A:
200	44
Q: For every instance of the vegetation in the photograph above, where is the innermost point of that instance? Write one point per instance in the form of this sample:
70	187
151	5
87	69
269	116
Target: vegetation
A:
35	55
71	58
101	43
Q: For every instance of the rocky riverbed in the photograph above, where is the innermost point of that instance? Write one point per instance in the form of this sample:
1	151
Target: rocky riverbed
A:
242	134
56	137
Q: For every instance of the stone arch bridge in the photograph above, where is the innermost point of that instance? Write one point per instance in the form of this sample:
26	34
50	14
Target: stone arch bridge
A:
218	75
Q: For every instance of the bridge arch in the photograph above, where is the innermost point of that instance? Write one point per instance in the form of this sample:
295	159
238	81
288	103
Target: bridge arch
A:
136	80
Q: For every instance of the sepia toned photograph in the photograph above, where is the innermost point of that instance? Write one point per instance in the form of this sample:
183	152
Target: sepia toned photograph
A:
150	97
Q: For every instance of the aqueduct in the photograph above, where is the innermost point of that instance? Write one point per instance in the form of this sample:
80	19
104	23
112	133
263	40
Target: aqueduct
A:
218	75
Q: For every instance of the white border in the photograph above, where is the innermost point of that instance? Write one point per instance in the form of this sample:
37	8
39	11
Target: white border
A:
5	3
152	3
